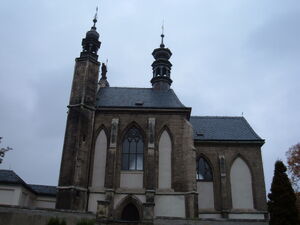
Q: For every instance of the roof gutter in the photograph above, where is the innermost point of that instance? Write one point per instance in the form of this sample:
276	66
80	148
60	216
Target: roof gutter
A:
186	110
259	142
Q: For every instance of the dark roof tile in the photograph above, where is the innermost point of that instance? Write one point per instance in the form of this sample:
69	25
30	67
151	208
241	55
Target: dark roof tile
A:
211	128
10	177
44	189
137	98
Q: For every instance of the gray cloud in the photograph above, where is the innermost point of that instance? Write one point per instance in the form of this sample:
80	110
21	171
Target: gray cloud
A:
229	57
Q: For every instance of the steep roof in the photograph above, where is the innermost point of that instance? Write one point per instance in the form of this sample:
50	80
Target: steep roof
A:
212	128
137	98
10	177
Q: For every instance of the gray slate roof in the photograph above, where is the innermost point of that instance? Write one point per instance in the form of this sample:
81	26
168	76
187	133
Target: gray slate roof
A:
10	177
212	128
44	189
137	98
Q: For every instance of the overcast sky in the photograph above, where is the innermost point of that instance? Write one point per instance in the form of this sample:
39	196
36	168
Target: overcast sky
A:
229	57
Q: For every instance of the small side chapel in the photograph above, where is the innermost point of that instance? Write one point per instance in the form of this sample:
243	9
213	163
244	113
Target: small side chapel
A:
137	154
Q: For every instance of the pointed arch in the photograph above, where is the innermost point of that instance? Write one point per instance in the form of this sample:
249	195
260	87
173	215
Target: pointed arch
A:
99	160
204	170
99	129
167	129
165	160
241	184
239	155
129	204
136	125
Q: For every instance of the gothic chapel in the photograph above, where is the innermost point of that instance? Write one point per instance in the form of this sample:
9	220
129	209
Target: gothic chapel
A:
137	154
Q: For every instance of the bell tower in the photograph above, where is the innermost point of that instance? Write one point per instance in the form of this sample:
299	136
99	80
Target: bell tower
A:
161	67
73	178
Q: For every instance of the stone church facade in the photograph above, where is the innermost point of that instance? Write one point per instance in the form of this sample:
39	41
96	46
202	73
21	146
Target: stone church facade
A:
137	154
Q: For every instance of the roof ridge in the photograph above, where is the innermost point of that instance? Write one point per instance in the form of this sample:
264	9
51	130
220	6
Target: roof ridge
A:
219	117
43	185
130	87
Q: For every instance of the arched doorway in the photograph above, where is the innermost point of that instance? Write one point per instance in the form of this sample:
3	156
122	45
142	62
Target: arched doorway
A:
130	213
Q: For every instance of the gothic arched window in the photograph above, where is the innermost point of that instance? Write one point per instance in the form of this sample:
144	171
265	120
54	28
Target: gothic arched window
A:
133	150
204	172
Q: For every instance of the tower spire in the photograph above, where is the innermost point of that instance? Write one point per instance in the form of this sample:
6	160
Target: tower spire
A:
161	66
91	43
95	19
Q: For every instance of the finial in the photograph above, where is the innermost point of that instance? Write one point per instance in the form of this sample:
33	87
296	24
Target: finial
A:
95	18
162	34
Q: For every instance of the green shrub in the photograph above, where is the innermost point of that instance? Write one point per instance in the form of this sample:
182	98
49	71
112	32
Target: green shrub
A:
86	222
56	221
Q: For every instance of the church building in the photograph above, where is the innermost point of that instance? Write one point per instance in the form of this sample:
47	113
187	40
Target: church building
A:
138	155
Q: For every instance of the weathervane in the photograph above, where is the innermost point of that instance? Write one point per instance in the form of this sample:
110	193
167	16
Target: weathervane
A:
95	17
162	34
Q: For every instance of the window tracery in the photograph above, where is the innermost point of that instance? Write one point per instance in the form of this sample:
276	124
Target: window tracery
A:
133	150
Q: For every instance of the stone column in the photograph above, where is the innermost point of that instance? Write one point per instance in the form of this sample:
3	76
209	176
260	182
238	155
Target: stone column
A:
224	190
148	211
112	154
151	170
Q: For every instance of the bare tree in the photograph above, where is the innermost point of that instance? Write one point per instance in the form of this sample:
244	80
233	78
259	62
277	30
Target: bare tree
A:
3	151
293	160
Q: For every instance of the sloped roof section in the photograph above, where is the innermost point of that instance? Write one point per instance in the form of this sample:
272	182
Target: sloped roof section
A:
10	177
137	98
44	189
212	128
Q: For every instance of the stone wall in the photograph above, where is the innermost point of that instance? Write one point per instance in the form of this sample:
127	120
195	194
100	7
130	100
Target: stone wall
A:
251	154
23	216
208	222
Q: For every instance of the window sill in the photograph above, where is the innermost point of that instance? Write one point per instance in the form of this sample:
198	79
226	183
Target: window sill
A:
132	171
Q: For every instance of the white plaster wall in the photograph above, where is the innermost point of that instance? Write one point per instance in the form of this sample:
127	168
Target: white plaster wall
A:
27	198
131	179
205	195
6	196
241	185
210	215
45	202
15	197
93	198
99	160
24	199
169	206
165	151
246	216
